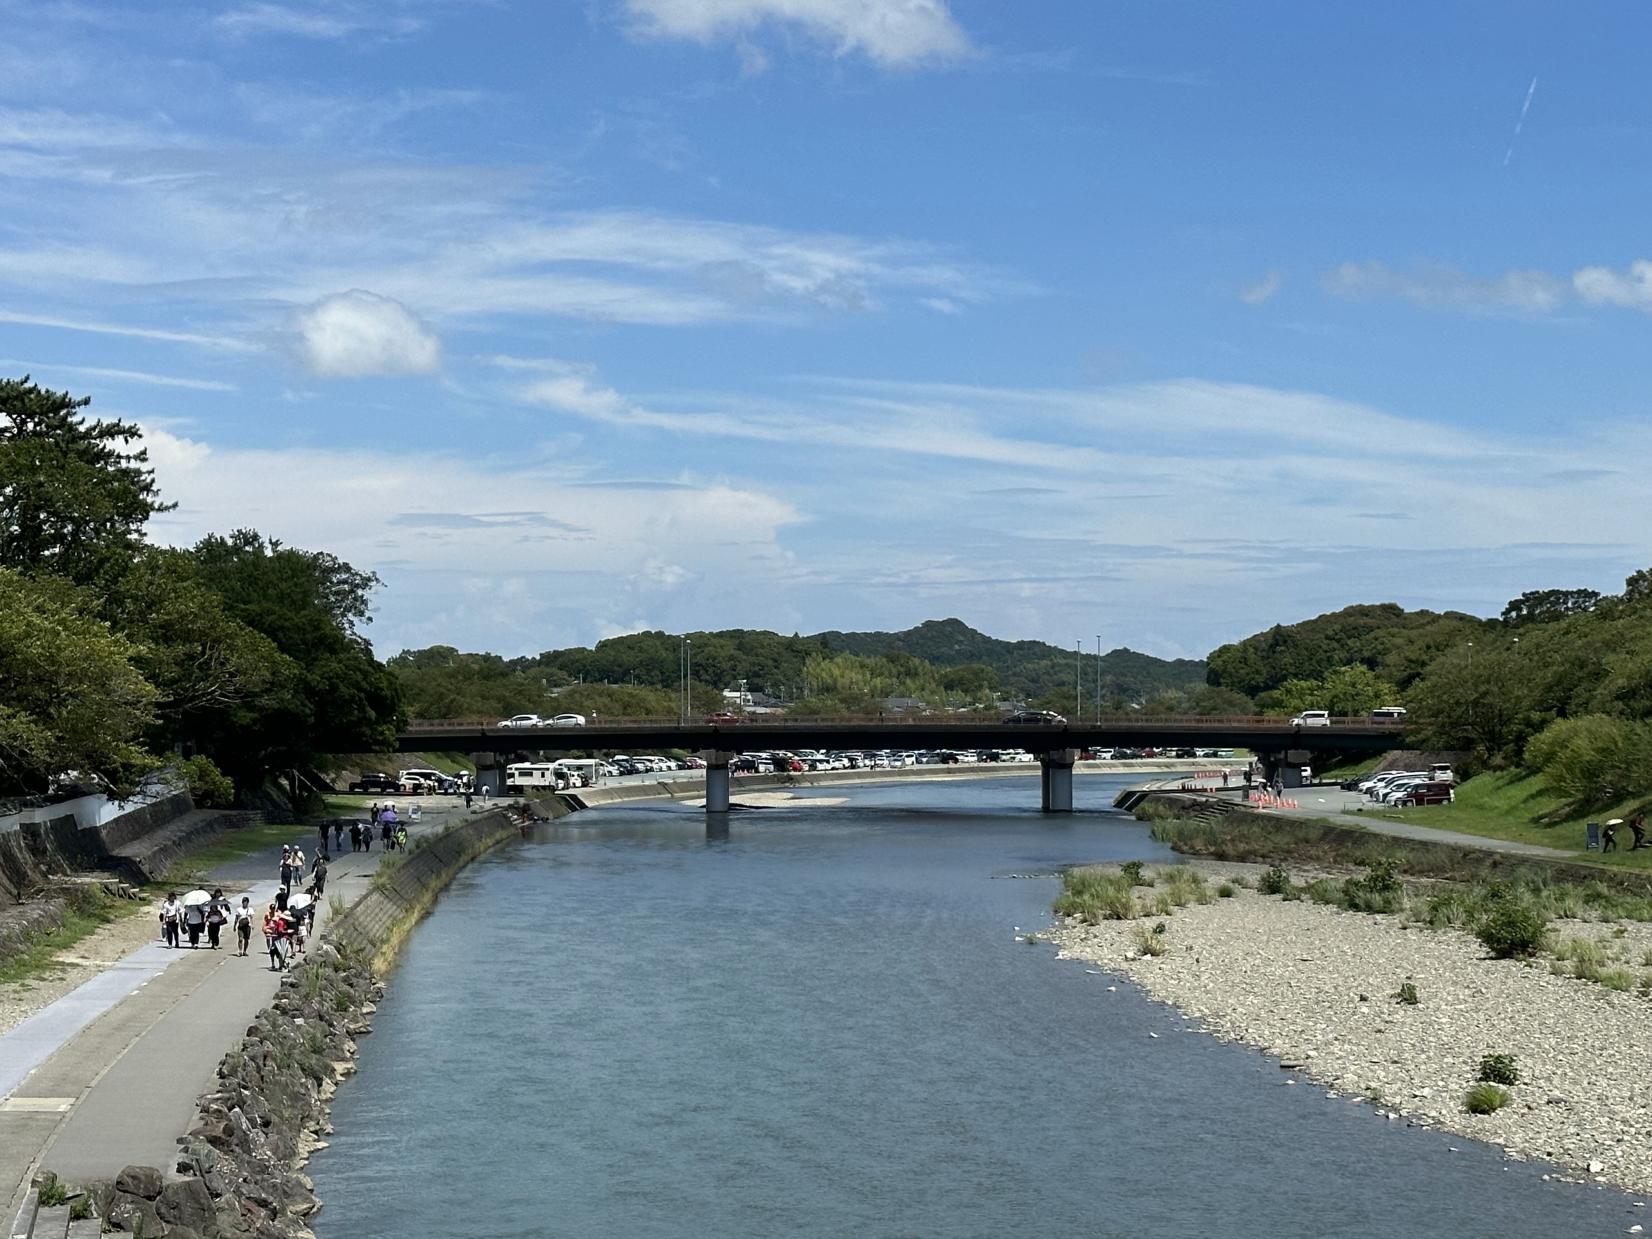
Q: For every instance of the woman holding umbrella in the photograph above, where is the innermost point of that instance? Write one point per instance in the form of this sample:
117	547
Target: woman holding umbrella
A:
195	915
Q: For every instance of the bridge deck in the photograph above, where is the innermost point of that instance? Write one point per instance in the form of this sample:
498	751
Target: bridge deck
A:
944	732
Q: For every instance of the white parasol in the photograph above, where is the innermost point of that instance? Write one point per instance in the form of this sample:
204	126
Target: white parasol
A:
295	902
195	898
1611	821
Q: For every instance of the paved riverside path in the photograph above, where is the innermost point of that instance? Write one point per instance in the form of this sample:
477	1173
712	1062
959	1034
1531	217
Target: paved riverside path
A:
1334	804
108	1075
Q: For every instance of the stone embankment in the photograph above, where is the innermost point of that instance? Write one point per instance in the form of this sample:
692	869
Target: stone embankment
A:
1316	987
239	1169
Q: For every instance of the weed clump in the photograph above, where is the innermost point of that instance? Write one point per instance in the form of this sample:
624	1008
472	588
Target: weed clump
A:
1094	895
1151	941
1276	881
1407	994
1225	891
1499	1069
1132	872
1485	1099
1512	930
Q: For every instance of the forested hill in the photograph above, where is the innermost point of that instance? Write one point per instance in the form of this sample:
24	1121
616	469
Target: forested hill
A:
944	662
1028	669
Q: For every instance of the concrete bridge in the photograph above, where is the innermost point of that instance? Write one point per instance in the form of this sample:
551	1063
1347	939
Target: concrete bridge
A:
1056	745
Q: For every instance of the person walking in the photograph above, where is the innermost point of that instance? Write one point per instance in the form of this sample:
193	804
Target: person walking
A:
1609	836
171	915
194	922
286	866
467	799
387	831
298	863
217	916
319	874
373	817
355	836
243	925
401	838
275	930
323	830
1637	827
367	832
338	834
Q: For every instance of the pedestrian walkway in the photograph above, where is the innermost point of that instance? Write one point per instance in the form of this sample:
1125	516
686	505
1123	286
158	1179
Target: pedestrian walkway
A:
108	1075
1333	804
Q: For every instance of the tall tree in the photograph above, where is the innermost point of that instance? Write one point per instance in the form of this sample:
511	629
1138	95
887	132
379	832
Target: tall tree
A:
71	699
74	492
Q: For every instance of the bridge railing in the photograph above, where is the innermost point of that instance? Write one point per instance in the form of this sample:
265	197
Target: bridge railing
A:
914	720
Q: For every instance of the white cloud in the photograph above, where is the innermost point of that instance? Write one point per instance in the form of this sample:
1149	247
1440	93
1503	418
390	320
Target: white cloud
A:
335	21
358	333
1523	292
1631	288
1262	290
891	33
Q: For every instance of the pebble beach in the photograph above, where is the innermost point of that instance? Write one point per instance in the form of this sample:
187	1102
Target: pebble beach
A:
1315	986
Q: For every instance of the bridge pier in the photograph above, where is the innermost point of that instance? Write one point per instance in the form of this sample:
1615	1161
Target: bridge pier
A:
717	780
1056	780
490	773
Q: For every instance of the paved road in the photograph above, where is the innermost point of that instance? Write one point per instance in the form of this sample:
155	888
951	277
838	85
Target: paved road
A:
1333	804
108	1075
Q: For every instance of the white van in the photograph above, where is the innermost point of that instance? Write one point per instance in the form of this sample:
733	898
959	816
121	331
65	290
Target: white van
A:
1388	714
1312	718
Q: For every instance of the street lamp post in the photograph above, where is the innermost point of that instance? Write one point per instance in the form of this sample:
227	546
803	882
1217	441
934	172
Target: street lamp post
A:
1098	679
1078	681
689	688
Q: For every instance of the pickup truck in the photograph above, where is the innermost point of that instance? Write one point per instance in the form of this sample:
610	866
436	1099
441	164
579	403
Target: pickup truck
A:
372	781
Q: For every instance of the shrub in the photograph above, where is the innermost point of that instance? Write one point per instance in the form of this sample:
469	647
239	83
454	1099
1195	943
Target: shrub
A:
1620	979
1407	994
1499	1069
1132	871
209	787
52	1192
1511	930
1580	950
1151	941
1225	891
1323	890
1276	881
1485	1099
1094	896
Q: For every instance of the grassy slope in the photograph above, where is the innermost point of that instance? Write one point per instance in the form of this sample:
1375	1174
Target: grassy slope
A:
1515	805
232	845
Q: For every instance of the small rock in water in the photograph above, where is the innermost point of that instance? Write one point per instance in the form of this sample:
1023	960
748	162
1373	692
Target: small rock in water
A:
1635	1229
1153	1034
1596	1167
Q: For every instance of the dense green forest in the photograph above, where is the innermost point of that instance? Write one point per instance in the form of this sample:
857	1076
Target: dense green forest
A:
242	654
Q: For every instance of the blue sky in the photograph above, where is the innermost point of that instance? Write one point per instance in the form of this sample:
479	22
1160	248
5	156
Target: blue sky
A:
1163	321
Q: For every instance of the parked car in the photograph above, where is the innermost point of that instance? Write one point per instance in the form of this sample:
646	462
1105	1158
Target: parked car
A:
1036	718
374	782
1312	718
568	720
1432	792
522	720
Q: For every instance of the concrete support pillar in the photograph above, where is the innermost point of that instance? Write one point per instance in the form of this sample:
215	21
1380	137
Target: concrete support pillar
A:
490	773
1057	780
717	780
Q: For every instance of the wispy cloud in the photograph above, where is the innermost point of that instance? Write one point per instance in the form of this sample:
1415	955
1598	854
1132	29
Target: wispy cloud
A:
890	33
228	343
1443	287
46	369
315	21
1631	288
1262	290
1520	123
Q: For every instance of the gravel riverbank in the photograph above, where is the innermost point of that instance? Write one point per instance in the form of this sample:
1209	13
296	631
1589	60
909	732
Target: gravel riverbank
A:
1315	985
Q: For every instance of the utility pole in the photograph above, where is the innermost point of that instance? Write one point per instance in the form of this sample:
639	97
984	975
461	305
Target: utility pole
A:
689	643
1078	682
1098	679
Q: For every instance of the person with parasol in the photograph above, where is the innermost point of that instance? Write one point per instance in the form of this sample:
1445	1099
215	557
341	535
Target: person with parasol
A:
195	904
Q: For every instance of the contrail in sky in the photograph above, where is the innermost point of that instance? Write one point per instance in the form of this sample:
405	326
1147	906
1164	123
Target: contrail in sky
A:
1520	124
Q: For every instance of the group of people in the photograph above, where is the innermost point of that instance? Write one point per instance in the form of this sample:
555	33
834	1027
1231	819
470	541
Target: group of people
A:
386	824
287	928
189	917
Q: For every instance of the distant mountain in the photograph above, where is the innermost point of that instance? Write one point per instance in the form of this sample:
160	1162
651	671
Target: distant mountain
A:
1028	669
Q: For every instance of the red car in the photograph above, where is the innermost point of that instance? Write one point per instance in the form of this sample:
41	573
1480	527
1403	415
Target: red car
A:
1427	793
722	718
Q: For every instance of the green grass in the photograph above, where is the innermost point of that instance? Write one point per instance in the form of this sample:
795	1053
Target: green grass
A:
233	845
1515	805
1347	770
1096	893
1486	1098
89	910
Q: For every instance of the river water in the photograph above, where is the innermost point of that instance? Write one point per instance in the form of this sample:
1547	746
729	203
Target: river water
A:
821	1023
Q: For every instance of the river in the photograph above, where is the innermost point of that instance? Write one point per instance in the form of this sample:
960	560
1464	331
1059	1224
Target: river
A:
822	1023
